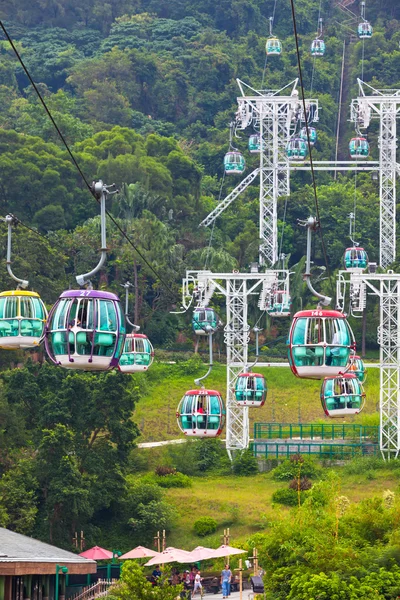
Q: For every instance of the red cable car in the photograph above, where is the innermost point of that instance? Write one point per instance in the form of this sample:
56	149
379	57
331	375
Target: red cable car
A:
320	343
201	413
250	389
342	395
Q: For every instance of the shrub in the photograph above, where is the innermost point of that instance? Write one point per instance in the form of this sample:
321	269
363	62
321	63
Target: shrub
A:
171	480
305	484
285	496
245	463
289	468
205	526
174	480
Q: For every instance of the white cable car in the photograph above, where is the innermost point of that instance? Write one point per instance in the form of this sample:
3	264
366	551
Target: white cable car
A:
201	413
342	395
318	45
205	320
320	343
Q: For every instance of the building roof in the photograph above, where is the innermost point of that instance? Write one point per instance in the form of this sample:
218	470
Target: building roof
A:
17	548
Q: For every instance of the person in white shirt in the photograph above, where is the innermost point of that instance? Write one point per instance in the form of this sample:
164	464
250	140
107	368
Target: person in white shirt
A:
197	584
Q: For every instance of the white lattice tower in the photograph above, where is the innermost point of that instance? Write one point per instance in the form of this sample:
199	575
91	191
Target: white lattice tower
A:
387	287
236	287
237	335
383	105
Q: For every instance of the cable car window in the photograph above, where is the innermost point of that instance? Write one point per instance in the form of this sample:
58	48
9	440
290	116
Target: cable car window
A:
2	305
59	315
84	314
38	308
11	308
300	331
315	331
26	307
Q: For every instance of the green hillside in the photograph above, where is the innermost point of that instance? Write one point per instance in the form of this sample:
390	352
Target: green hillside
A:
288	398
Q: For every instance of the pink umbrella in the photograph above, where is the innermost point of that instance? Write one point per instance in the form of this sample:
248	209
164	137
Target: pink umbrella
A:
138	552
226	551
97	553
169	555
200	553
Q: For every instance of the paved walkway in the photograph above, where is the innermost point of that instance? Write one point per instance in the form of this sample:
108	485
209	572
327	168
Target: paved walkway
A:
233	596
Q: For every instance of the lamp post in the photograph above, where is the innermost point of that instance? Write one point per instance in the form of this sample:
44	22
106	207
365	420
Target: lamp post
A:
63	570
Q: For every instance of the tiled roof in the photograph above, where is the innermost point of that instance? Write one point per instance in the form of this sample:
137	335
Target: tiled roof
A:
17	547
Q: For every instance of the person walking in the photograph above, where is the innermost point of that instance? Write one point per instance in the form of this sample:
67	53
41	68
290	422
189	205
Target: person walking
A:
226	577
197	584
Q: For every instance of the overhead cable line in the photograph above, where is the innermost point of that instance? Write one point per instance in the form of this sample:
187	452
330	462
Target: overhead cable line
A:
309	142
88	185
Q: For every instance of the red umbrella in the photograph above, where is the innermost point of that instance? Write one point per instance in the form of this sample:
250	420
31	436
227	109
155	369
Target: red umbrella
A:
97	553
138	552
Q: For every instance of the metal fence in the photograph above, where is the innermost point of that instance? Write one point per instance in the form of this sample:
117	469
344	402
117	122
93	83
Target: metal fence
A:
321	450
320	431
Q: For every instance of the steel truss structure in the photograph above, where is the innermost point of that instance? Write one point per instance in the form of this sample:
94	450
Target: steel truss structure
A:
275	116
237	288
385	106
387	287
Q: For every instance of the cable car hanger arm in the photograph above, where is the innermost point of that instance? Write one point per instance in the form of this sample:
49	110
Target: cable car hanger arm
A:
101	191
312	225
11	220
210	366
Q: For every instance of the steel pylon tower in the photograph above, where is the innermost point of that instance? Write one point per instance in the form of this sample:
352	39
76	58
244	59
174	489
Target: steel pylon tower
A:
385	106
387	287
274	114
237	288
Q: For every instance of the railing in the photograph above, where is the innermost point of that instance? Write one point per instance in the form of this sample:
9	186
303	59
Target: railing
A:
319	450
97	590
320	431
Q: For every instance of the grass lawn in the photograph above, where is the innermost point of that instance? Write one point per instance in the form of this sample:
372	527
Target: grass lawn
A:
244	503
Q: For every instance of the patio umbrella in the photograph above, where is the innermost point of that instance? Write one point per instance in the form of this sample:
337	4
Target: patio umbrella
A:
97	553
226	551
138	552
169	555
200	553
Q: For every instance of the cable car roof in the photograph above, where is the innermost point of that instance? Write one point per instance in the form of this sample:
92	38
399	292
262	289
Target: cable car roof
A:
137	336
89	294
202	392
341	376
334	314
250	375
355	248
20	293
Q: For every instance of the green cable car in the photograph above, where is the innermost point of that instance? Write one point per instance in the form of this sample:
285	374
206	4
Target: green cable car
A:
296	149
312	132
318	47
273	47
364	30
254	143
359	148
234	163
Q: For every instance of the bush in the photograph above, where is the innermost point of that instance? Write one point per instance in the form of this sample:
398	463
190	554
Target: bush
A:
171	480
205	526
245	463
289	469
285	496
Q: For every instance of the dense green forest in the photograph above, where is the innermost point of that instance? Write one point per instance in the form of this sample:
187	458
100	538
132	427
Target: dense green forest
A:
143	93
